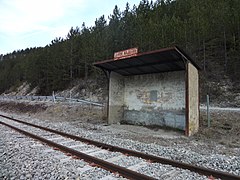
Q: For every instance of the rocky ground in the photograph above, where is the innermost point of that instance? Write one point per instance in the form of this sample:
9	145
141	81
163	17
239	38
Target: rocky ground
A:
217	146
224	128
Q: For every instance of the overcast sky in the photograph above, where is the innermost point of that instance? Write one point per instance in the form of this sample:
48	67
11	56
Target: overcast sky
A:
34	23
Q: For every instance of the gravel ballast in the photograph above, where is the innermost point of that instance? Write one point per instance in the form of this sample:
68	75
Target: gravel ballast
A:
22	158
45	165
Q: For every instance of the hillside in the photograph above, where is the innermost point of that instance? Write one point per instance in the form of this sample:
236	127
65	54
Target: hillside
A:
209	31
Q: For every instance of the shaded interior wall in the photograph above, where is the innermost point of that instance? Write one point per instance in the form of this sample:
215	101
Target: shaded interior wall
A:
155	99
193	99
116	96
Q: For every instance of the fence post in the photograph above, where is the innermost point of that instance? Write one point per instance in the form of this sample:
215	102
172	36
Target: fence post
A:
208	113
70	94
53	96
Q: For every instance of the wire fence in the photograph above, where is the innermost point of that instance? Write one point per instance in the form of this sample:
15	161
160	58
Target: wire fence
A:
51	99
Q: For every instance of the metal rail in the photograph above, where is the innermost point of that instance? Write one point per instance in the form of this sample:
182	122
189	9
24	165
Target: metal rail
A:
152	158
90	159
51	98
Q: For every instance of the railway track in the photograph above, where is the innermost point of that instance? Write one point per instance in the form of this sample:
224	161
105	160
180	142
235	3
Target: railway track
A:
89	150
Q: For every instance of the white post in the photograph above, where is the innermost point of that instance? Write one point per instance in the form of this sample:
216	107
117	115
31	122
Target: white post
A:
53	96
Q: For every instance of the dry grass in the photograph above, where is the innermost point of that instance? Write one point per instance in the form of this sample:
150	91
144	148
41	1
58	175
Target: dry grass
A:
224	128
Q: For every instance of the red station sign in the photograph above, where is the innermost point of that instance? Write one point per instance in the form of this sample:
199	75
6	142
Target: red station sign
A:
125	53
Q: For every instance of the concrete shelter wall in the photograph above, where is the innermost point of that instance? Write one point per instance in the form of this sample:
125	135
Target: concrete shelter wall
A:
193	99
116	98
155	99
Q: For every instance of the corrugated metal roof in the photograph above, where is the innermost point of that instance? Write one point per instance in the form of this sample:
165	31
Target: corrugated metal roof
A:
163	60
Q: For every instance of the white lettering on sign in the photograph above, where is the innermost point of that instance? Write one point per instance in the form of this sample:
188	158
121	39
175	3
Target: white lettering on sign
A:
125	54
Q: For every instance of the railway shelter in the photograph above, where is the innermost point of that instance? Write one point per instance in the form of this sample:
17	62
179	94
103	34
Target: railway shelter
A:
159	87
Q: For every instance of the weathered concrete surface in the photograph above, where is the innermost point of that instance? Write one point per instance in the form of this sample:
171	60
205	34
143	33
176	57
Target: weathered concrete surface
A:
193	99
116	98
175	119
155	99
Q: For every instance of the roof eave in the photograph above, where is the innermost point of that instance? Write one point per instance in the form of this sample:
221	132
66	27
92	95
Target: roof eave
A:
176	48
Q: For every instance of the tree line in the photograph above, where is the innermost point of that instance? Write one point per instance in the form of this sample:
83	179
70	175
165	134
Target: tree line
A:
208	30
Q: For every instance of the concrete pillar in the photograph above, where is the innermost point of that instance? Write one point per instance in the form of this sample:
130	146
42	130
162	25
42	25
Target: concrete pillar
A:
116	98
193	99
